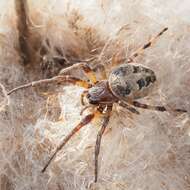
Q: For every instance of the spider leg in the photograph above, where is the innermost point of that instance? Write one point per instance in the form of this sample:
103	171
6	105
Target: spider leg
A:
85	108
74	66
82	123
59	79
82	97
145	46
157	108
131	109
98	140
88	71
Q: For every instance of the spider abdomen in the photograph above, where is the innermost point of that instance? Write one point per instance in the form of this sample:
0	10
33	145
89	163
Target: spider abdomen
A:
130	81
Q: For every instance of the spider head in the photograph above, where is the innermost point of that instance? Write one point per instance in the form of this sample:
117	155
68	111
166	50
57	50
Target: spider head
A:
92	99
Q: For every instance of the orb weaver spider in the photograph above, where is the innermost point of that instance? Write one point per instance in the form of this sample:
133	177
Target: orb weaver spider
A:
126	83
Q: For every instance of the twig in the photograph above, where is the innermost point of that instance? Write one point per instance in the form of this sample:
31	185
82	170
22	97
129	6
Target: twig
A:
23	30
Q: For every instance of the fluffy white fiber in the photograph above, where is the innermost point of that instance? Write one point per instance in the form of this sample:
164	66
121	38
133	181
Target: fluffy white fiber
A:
146	152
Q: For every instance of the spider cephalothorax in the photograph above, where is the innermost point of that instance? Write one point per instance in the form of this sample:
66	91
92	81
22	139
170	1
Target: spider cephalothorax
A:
126	83
100	93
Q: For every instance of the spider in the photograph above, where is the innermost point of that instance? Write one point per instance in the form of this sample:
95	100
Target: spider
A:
125	84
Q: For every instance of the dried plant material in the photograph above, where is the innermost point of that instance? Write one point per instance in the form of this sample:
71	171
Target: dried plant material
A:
5	97
23	30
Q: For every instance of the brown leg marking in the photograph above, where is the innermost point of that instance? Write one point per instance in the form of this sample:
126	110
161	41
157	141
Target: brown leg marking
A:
98	140
157	108
58	79
83	122
145	46
131	109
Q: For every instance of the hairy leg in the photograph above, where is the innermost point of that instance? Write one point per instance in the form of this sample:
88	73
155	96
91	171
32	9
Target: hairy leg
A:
88	71
98	140
145	46
82	123
58	79
157	108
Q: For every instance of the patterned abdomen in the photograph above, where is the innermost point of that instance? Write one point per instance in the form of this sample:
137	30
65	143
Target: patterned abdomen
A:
129	81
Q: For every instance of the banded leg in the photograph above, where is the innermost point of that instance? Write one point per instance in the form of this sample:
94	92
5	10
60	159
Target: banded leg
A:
88	71
83	122
156	108
145	46
98	140
58	79
131	109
